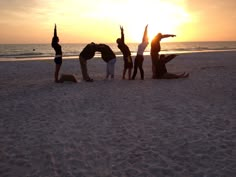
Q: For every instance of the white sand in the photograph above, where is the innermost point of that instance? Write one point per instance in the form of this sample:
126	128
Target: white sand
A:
119	128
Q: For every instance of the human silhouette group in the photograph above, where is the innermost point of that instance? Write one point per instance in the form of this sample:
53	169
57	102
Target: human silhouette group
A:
159	70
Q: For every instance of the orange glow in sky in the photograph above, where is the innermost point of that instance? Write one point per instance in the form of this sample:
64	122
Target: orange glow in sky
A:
80	21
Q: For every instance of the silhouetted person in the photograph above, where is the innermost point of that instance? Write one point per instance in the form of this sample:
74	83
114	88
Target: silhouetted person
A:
58	56
109	57
128	63
155	49
87	53
161	71
159	61
138	61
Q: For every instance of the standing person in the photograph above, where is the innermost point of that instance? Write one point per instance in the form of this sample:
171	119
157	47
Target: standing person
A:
58	56
109	57
87	53
128	63
138	61
155	49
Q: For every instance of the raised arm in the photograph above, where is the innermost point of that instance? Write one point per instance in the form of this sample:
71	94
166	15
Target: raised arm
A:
145	36
54	38
122	34
167	35
55	30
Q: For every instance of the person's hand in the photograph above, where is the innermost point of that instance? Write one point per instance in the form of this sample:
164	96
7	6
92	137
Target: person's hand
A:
173	36
121	28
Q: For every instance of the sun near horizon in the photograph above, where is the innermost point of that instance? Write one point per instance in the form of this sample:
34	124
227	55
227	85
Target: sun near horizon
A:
99	21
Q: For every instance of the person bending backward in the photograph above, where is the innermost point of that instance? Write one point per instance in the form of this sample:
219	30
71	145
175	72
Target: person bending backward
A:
128	63
87	53
138	61
159	62
109	57
58	56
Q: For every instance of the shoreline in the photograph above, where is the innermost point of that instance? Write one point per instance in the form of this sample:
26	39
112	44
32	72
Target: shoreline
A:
11	59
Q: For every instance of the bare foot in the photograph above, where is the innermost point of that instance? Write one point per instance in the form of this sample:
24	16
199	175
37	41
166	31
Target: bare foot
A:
184	75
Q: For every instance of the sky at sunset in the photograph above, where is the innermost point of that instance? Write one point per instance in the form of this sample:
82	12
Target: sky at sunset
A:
83	21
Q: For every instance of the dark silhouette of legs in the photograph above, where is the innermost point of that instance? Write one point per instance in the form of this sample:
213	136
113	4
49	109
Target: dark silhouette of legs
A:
141	72
83	65
124	72
58	66
135	69
129	73
155	59
175	76
138	62
135	72
167	58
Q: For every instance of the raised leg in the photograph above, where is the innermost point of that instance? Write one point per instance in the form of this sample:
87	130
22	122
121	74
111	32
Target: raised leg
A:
167	58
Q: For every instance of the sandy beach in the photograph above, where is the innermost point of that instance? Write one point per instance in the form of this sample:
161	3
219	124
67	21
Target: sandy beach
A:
119	128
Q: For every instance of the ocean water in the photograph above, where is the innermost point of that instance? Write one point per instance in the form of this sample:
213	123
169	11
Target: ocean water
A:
45	51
